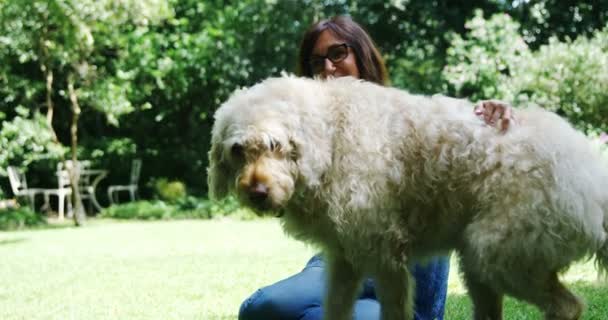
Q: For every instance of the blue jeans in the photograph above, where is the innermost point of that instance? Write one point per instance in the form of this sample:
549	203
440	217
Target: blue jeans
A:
300	296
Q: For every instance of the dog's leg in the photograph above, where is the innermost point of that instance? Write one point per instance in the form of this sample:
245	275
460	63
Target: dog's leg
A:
544	289
395	290
513	265
537	286
561	304
487	303
343	282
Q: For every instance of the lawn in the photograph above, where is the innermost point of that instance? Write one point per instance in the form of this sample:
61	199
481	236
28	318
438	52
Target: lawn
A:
179	270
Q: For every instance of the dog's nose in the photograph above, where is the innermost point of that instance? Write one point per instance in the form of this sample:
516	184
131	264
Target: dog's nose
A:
258	192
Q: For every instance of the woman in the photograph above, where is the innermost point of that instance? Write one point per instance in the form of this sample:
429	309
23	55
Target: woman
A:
339	47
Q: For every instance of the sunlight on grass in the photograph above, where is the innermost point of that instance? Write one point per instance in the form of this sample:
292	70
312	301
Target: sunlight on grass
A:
142	270
178	270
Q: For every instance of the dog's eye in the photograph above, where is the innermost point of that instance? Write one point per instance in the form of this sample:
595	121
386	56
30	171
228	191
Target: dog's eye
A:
274	145
236	150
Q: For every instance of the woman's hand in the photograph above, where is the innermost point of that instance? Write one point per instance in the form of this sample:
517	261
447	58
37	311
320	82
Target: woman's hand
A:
495	113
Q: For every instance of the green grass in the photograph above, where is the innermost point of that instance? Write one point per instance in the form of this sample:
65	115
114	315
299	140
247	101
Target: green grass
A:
190	269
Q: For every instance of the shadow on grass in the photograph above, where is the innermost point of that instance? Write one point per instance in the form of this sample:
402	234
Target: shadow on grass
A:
52	223
48	225
11	241
595	296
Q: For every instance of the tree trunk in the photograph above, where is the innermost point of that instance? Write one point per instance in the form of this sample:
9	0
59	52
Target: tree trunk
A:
50	107
48	76
79	214
49	101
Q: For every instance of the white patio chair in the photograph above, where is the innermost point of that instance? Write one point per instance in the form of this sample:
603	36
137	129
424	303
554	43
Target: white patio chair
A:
132	187
19	187
82	165
63	176
63	193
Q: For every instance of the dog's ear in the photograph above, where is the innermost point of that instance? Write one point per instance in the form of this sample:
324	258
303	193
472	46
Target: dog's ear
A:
217	179
313	159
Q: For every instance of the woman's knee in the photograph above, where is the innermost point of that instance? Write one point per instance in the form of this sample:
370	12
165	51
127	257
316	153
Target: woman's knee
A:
288	298
366	309
276	302
257	307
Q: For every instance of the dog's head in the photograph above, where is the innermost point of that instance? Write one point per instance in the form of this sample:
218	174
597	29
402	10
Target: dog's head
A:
258	149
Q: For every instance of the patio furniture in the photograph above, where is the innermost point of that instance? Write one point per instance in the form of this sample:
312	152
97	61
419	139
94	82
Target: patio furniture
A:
82	165
132	187
87	182
19	186
63	193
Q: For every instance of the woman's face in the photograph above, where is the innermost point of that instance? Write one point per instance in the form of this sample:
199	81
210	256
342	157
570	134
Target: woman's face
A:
329	47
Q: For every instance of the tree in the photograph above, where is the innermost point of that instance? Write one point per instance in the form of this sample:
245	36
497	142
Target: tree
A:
58	36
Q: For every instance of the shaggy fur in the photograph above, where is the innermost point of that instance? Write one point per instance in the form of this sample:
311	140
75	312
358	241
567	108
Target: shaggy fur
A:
378	177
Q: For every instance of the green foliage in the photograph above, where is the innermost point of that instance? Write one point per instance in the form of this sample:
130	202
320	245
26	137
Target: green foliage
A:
183	208
231	207
24	140
570	77
141	210
24	217
413	35
562	19
109	95
170	191
201	208
110	152
482	63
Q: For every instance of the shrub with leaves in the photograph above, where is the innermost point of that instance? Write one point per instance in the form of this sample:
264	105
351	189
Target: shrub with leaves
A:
482	63
569	77
26	139
170	191
19	218
184	208
141	210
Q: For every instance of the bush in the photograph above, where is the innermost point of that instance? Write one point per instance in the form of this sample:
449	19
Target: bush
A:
25	139
229	207
569	78
481	64
141	210
191	207
184	208
170	191
12	219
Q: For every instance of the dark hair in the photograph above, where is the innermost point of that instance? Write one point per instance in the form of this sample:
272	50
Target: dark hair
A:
369	61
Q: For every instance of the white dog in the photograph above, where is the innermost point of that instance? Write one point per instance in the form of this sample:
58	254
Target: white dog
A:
378	177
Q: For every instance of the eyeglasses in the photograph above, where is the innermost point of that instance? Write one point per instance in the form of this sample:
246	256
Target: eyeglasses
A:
335	54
